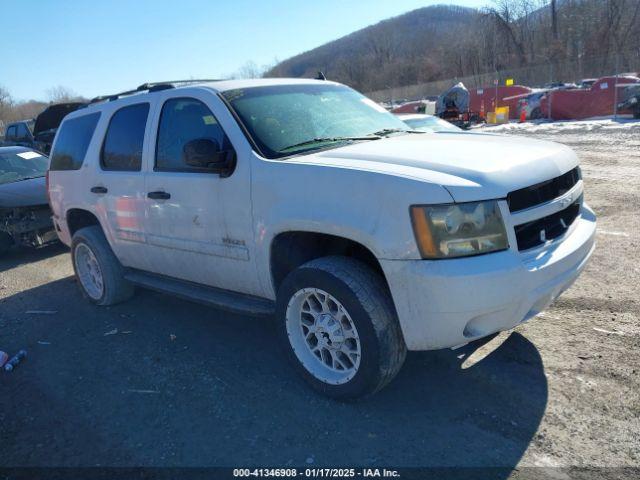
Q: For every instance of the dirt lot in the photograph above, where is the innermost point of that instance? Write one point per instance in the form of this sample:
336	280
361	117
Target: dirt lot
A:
159	381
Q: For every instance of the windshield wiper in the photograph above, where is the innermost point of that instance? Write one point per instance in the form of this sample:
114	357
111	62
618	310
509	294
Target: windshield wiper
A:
388	131
313	141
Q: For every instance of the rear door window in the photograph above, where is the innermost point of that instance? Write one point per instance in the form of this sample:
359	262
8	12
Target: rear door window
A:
72	142
123	142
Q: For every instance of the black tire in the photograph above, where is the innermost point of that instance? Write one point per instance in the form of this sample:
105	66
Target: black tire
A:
116	288
365	296
636	113
536	114
6	241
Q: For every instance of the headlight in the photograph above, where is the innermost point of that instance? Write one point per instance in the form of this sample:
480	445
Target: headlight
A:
458	229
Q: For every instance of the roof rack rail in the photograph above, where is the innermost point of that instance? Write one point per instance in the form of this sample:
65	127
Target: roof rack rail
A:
151	87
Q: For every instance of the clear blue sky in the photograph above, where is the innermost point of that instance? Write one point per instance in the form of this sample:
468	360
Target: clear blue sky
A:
96	47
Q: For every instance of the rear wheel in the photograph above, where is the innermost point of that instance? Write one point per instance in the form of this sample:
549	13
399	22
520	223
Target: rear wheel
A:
99	273
339	327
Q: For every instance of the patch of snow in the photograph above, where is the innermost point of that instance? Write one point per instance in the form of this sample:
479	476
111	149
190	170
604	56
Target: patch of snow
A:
562	126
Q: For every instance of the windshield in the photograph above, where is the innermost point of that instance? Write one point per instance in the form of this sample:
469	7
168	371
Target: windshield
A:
431	124
21	165
287	119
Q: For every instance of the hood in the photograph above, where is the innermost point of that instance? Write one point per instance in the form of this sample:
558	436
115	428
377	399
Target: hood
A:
471	166
24	193
51	117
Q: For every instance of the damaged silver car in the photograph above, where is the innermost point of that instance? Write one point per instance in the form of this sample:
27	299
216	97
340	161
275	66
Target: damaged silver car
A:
25	217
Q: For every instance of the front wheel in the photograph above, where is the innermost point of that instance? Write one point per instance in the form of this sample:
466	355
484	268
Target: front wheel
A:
339	327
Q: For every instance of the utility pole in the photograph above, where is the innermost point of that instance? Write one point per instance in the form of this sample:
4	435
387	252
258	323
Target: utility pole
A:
615	92
550	91
496	81
554	32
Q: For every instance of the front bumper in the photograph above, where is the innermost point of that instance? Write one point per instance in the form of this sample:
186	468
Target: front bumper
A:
445	303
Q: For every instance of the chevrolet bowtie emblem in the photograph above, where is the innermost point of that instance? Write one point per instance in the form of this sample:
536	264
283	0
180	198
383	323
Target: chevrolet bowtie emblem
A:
566	201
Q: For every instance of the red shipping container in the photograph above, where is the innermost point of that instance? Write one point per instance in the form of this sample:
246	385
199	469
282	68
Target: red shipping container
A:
483	99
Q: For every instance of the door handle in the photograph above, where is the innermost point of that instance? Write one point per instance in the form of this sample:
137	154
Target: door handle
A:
99	190
159	195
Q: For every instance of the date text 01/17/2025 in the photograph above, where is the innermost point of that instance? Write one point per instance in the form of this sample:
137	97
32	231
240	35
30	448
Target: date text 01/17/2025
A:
317	472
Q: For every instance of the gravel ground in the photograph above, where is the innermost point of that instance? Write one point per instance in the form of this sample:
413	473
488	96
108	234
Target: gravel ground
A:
158	381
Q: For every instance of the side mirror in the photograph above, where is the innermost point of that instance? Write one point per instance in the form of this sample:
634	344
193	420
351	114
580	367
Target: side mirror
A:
206	154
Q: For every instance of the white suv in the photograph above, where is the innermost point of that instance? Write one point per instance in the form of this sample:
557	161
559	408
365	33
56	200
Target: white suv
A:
307	200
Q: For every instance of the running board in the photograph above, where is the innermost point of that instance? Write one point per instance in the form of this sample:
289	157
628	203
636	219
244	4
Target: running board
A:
223	299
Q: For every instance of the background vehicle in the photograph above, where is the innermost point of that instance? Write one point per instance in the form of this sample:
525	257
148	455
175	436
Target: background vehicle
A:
587	82
454	107
631	100
25	217
19	134
418	106
530	103
428	123
580	103
566	85
453	103
39	133
306	199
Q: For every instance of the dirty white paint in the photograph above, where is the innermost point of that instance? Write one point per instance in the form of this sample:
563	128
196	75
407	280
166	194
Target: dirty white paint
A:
219	231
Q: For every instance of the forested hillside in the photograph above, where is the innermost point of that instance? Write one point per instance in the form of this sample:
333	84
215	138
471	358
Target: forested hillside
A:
439	42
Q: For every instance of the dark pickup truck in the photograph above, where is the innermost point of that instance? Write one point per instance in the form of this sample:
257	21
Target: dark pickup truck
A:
39	133
631	100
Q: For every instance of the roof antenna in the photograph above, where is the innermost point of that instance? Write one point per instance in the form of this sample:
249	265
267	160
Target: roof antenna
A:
320	76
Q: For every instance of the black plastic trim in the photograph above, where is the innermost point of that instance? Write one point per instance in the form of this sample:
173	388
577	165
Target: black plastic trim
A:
543	192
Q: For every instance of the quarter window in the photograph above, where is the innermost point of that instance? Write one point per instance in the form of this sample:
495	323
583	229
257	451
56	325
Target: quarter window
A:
186	122
11	133
72	142
22	132
123	142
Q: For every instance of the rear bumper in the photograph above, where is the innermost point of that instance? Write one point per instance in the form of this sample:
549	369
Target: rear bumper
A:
450	302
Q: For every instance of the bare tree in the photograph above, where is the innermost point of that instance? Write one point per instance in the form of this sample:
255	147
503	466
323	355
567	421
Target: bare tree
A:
6	104
249	70
554	19
252	70
381	44
60	94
